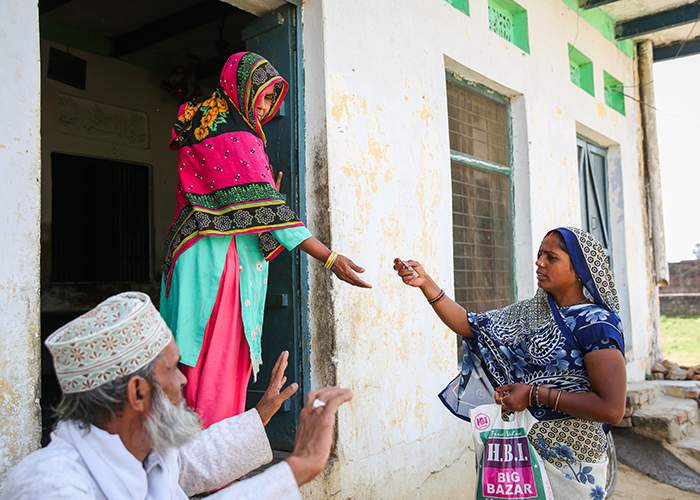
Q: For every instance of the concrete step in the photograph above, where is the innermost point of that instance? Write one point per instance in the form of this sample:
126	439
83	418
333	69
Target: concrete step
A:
640	394
666	419
689	389
691	444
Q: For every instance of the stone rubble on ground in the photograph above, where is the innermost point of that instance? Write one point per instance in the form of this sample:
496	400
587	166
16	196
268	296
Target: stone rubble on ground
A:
668	370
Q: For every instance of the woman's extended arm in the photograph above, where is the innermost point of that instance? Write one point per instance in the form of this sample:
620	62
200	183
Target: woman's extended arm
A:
450	312
604	403
343	267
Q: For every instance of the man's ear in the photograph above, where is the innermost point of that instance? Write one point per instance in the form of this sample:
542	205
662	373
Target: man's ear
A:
138	394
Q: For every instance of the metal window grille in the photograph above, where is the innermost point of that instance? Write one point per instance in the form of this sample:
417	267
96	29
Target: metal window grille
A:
100	220
501	22
478	125
481	199
575	73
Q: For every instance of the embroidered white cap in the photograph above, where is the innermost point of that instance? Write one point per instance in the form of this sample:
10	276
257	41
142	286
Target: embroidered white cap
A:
116	338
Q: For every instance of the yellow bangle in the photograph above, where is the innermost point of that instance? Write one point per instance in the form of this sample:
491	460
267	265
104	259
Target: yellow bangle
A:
331	260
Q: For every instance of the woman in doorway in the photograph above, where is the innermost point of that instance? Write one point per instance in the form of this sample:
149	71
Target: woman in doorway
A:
559	354
230	220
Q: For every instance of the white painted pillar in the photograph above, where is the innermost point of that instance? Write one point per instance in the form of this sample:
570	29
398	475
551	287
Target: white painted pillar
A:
20	202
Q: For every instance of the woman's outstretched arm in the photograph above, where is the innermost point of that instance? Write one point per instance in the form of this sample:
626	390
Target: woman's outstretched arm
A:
450	312
344	268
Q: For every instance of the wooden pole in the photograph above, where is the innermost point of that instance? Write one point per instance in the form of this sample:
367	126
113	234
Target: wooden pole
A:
651	159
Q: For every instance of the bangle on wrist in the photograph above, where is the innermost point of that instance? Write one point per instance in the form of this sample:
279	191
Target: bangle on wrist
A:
556	403
437	299
331	260
537	395
529	397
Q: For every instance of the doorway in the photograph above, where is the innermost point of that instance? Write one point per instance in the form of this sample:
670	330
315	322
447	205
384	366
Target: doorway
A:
111	87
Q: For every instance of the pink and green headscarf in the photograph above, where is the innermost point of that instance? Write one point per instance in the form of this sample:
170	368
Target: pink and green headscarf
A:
245	77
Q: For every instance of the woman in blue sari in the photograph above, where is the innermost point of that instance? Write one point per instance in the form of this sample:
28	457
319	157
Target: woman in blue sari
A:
559	354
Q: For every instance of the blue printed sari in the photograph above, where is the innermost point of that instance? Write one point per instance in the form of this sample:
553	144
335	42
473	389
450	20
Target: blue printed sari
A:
537	342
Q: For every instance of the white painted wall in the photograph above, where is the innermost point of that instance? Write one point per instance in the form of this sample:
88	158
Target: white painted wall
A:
376	114
20	200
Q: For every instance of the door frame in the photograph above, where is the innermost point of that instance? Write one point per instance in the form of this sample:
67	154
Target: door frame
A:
303	268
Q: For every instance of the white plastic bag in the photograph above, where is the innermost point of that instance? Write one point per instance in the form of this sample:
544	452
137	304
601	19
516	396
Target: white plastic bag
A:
508	465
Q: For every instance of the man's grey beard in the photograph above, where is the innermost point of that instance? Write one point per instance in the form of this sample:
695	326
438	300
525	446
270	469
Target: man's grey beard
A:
169	425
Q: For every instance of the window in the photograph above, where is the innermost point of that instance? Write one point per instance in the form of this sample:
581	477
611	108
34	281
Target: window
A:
481	197
509	20
614	96
593	174
581	70
461	5
100	220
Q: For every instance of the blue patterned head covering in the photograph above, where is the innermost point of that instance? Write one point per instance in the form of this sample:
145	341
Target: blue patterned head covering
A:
591	265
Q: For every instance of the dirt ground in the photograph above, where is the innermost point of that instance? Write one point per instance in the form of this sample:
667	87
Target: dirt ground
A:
637	486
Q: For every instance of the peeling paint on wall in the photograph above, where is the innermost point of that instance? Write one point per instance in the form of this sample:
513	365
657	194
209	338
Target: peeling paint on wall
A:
20	200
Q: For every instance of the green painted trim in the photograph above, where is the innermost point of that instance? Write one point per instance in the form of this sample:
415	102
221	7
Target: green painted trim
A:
614	93
605	25
303	263
581	70
476	87
460	5
517	16
77	39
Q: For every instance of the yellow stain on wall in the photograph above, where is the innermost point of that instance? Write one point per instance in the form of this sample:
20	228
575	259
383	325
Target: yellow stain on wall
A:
345	107
558	110
376	150
601	111
391	227
425	113
420	407
340	107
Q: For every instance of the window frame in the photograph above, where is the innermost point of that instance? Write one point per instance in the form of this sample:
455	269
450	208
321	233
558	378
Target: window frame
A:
469	161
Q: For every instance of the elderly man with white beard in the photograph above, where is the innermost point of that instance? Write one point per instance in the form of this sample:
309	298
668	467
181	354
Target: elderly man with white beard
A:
124	431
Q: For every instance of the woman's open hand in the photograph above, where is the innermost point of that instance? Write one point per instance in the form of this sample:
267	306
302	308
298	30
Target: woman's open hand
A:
346	270
411	272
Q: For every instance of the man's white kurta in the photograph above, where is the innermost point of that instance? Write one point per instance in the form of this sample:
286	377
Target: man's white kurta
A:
95	465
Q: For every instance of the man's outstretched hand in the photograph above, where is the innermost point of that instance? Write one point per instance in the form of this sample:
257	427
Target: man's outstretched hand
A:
273	398
315	433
